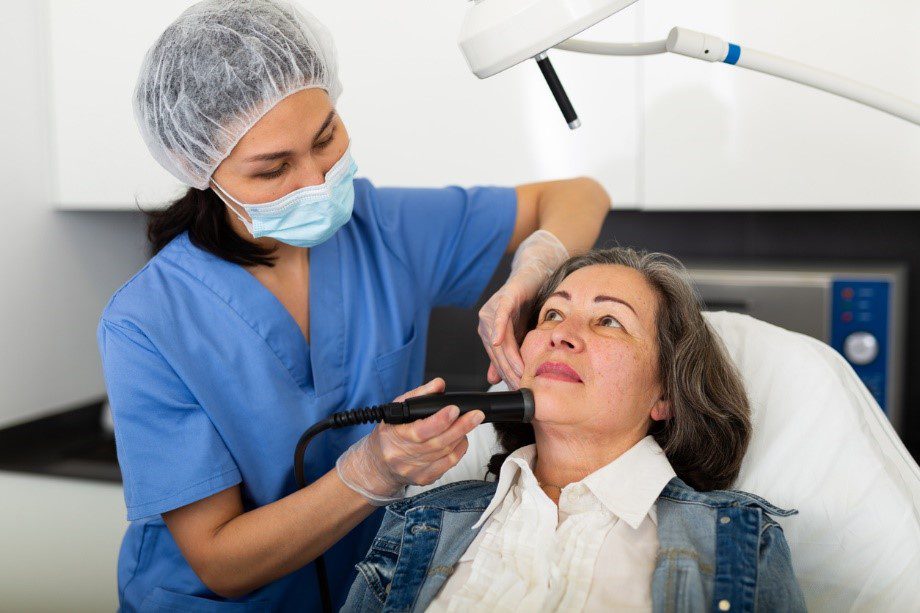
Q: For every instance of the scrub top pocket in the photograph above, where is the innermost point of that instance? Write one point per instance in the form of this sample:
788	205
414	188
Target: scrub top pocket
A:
394	367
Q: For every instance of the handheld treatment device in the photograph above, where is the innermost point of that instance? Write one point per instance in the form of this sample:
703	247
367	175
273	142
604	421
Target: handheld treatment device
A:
508	407
513	407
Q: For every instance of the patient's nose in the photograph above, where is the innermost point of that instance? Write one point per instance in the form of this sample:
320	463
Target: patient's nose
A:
567	336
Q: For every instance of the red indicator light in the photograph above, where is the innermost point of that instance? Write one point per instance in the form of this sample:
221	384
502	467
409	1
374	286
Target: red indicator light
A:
847	316
847	293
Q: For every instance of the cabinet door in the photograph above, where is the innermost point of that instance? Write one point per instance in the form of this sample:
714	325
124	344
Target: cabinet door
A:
416	114
60	543
717	136
95	53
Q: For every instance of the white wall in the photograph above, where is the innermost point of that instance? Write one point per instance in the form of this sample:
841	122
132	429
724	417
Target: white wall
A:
57	269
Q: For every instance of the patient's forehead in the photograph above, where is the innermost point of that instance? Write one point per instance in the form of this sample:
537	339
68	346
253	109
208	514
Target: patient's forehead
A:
616	281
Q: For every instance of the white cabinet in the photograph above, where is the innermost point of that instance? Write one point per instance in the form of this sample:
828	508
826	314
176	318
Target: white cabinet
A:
415	113
661	132
718	136
60	540
96	48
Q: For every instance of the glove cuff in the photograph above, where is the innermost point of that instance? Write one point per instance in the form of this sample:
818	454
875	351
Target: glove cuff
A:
541	250
377	500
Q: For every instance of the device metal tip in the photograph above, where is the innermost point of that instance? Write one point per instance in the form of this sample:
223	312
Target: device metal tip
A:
575	124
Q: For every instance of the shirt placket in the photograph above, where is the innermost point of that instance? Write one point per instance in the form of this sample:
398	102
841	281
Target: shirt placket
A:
583	525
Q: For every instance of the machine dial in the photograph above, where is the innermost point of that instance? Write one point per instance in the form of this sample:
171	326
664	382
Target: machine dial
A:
860	348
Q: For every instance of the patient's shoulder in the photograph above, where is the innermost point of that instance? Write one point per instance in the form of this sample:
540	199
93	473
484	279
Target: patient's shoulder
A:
678	491
458	496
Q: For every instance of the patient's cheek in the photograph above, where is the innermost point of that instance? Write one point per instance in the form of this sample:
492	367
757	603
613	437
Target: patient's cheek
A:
617	370
528	348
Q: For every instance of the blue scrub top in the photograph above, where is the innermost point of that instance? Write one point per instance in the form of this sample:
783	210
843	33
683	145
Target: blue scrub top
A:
211	382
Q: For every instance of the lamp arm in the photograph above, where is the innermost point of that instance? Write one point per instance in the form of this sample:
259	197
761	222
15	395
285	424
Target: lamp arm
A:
713	49
598	48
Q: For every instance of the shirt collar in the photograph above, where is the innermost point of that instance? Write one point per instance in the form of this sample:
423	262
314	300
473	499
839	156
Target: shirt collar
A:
628	487
521	460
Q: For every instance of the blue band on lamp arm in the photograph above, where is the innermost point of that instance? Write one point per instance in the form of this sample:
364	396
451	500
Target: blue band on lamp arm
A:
734	53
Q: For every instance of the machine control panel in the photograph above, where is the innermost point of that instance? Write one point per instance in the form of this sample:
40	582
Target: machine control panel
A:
859	330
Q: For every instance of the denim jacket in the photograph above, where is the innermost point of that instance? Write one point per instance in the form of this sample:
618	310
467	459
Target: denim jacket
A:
718	551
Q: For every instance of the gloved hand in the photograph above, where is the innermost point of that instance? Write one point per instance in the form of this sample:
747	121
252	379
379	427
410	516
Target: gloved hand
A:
500	318
383	463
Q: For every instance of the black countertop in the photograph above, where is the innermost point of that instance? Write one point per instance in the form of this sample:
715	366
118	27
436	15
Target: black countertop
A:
72	443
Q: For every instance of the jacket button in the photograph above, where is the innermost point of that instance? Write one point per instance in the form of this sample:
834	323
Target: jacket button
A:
724	520
724	605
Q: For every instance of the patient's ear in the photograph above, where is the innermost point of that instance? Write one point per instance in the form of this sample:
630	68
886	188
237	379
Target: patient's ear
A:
661	410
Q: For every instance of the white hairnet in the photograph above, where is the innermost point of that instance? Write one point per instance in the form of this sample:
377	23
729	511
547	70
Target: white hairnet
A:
217	70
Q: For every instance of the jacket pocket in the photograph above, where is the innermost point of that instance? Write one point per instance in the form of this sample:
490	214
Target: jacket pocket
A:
679	585
393	368
378	567
161	600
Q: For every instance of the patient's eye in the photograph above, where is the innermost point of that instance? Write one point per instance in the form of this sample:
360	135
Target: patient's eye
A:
610	322
552	315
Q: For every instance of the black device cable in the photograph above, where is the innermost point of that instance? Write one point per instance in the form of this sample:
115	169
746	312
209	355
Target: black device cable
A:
508	407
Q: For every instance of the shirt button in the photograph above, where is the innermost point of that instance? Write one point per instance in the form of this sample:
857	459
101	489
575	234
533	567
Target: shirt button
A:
724	520
724	605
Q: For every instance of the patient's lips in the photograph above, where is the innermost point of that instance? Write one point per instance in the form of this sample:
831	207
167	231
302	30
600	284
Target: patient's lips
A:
558	371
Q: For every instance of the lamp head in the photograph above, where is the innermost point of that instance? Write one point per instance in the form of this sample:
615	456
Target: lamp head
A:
497	34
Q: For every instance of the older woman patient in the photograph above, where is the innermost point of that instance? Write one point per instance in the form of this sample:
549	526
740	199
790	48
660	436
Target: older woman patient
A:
613	499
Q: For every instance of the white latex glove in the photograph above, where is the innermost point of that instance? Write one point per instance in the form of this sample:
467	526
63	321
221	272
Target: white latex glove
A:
500	318
383	463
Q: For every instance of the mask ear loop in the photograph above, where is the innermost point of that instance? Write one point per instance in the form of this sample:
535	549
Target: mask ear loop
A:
221	192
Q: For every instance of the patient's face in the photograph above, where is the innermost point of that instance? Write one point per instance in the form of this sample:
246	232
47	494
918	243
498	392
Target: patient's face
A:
591	361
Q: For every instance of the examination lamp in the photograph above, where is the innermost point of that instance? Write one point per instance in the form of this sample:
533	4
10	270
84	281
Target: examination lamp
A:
498	34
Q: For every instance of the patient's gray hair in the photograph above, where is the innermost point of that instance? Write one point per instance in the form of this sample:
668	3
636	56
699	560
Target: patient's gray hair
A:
709	429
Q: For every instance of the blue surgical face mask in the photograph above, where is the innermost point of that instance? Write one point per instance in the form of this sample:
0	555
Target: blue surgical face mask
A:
307	216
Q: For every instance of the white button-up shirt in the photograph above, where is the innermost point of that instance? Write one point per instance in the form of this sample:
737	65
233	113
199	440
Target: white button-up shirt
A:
596	551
